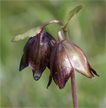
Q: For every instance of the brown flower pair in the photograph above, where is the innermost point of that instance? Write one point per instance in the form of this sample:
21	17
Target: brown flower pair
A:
61	57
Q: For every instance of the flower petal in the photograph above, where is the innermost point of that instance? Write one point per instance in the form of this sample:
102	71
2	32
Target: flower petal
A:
23	63
40	52
61	67
78	59
37	53
24	60
94	72
50	65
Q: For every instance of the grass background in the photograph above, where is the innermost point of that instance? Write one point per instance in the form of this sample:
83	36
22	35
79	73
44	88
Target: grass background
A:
86	29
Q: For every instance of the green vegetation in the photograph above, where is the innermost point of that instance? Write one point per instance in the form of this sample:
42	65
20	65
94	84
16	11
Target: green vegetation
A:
86	29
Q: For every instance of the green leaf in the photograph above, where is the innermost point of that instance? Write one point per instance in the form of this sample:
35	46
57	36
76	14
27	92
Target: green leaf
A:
29	33
70	15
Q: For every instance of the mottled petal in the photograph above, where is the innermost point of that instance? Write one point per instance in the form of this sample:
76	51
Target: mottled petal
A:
62	68
78	59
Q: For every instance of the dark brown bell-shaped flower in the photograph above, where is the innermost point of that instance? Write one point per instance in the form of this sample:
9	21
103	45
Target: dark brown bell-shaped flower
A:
66	57
37	53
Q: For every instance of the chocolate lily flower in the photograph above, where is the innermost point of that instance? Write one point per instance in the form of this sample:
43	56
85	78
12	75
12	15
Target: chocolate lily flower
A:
65	58
37	53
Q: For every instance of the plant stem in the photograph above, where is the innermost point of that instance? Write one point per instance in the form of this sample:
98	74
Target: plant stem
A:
50	22
61	27
60	36
66	34
74	93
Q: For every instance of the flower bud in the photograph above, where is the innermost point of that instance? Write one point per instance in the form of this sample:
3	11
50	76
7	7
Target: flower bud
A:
37	53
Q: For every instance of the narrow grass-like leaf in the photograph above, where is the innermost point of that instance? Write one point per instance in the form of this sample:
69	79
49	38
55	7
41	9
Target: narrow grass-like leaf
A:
29	33
70	15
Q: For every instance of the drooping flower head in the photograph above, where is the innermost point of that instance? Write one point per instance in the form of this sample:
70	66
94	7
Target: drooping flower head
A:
62	57
37	53
65	58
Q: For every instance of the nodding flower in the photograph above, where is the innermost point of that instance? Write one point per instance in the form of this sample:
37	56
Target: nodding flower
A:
36	53
62	57
65	58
